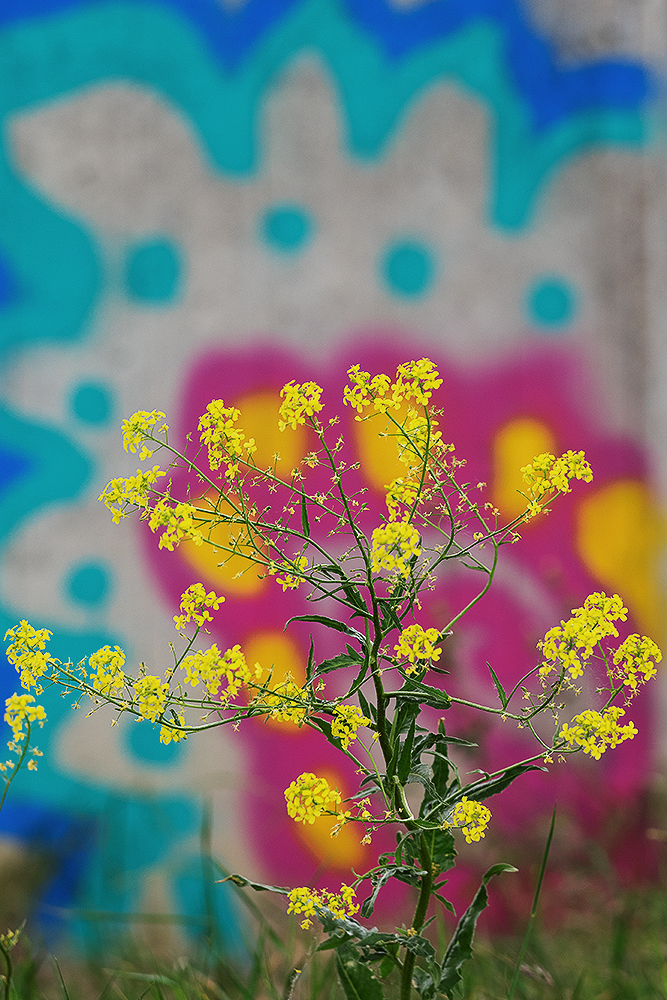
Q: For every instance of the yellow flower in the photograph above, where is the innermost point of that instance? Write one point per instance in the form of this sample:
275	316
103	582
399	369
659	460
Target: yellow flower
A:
575	639
298	402
595	731
393	546
290	581
108	664
27	652
150	696
400	492
172	733
212	667
309	797
137	428
309	901
415	643
224	440
547	475
178	521
131	490
347	719
20	708
471	817
635	661
194	604
287	702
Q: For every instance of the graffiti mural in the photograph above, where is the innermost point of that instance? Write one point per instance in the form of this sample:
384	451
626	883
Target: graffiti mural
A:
203	199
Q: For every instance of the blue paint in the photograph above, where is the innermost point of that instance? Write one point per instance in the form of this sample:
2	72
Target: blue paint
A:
7	284
88	583
153	272
287	227
551	302
408	269
12	467
91	403
211	906
143	741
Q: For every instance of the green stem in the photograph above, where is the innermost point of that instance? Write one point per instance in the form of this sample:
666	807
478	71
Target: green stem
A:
419	917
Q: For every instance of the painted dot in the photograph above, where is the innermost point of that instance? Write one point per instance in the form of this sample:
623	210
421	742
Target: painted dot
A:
143	741
7	284
91	403
287	228
88	583
551	302
408	269
153	271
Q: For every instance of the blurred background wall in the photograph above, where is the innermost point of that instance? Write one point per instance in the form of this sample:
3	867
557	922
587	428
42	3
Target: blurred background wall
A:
207	198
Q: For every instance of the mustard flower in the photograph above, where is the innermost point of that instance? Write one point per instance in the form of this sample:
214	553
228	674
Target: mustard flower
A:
173	733
194	606
298	402
211	667
365	391
150	696
575	639
635	661
400	492
286	702
416	643
347	719
416	380
393	546
178	521
309	901
108	665
471	817
309	797
131	490
21	708
595	731
290	581
137	428
225	441
547	475
27	652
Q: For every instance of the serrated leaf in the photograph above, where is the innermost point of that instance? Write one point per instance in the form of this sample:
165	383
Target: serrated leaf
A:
484	789
459	949
409	873
311	660
405	759
305	523
329	623
357	980
335	663
499	688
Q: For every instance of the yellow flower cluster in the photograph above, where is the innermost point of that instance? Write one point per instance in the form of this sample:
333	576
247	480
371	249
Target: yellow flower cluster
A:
290	581
471	817
137	428
108	665
347	719
595	731
635	661
211	667
27	652
20	708
309	797
194	606
574	640
150	696
547	475
173	733
178	522
416	643
400	492
286	702
393	545
299	400
309	901
131	490
416	440
225	441
415	380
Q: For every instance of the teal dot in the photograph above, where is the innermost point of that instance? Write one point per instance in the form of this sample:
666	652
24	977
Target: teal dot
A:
153	271
408	269
551	302
287	227
91	403
88	583
143	741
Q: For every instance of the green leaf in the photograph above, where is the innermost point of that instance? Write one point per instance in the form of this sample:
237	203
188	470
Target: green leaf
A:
242	882
480	790
459	949
389	616
330	623
499	688
311	660
409	874
442	848
326	666
305	523
357	980
405	759
386	966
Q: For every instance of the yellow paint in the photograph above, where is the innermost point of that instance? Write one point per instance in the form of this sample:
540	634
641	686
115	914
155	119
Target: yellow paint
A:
277	650
345	850
235	575
619	536
259	420
515	445
377	449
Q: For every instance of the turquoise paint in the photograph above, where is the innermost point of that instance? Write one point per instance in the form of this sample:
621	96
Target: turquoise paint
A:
210	905
88	583
143	741
153	272
551	302
287	228
408	269
91	402
103	41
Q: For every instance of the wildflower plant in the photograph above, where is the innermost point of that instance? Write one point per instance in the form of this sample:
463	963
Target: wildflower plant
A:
389	663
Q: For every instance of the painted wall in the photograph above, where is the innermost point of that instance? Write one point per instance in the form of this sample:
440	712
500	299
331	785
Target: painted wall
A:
205	198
